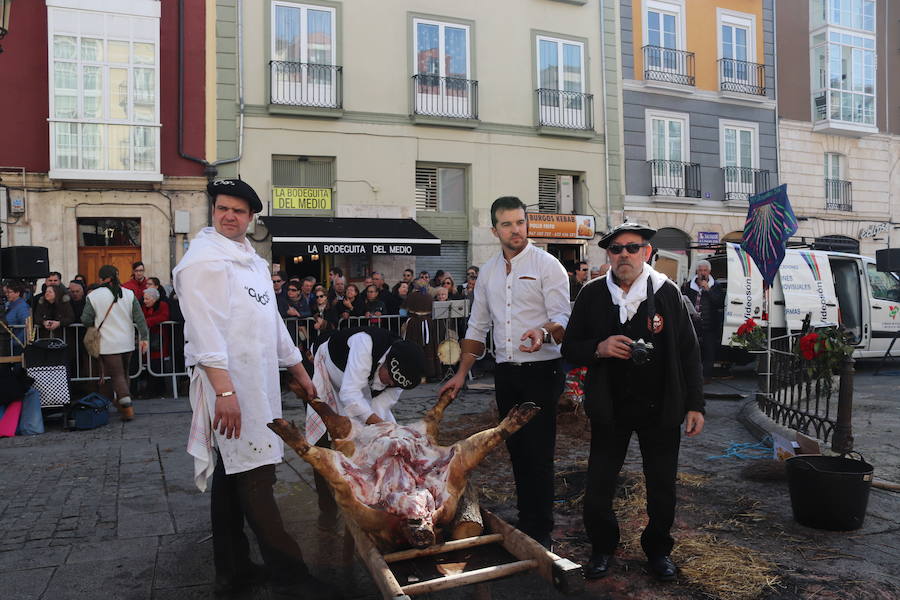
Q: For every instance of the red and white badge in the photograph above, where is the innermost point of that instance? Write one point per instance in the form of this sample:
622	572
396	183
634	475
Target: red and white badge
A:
657	324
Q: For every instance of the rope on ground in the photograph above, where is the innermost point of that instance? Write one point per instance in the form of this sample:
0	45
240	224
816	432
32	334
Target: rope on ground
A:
749	450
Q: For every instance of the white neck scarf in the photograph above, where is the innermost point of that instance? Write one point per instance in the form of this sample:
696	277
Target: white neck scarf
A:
697	288
628	303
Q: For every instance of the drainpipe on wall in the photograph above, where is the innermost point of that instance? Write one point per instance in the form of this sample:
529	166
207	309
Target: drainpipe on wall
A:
775	87
210	169
605	119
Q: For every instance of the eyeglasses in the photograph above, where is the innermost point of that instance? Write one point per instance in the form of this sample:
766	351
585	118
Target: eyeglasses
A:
293	290
613	253
471	276
633	248
278	281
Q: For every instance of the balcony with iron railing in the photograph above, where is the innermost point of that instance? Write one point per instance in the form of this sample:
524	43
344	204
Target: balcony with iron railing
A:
838	195
743	182
445	97
306	85
742	77
565	110
668	65
674	178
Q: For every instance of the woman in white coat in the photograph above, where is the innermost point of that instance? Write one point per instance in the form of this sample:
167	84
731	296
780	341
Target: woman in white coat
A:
119	312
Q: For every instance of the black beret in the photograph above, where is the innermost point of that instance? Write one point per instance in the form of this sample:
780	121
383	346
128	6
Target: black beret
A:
237	188
406	364
642	230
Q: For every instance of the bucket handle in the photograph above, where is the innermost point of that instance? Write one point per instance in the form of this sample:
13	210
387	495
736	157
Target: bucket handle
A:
852	455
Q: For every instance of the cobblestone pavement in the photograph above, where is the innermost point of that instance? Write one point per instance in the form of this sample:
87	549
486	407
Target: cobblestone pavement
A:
113	512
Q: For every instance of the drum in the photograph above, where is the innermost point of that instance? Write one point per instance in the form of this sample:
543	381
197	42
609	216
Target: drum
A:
448	352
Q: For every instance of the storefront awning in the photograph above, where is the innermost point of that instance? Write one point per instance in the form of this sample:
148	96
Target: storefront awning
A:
329	235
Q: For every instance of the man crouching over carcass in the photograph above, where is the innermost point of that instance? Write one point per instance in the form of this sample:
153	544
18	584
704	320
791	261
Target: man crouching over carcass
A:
360	373
235	343
631	329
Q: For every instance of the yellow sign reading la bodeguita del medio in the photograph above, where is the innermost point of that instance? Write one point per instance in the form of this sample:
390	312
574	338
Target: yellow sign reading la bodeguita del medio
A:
301	198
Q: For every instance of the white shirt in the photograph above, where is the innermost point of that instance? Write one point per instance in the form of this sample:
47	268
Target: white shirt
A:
117	333
535	291
352	384
232	322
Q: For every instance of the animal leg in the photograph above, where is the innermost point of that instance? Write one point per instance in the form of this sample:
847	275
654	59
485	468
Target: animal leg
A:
338	426
472	450
323	460
434	416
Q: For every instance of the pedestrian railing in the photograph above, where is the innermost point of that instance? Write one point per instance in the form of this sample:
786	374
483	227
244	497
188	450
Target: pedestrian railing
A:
813	404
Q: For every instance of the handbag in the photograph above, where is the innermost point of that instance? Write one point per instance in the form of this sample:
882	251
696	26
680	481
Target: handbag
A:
92	334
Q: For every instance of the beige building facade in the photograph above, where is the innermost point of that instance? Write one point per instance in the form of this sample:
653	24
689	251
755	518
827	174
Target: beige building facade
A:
411	110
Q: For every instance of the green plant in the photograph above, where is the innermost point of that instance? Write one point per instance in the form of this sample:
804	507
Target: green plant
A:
749	336
822	351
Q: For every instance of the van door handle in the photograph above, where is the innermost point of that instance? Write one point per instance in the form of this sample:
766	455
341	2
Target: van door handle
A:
877	307
832	304
738	302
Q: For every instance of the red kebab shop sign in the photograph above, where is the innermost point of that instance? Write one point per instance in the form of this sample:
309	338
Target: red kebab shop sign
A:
542	225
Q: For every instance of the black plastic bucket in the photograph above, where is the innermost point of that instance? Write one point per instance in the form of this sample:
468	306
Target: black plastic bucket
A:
829	492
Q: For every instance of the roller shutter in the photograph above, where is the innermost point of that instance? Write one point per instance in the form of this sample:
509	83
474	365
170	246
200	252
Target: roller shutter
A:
453	259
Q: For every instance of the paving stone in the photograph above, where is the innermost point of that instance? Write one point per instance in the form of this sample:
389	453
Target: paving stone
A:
32	558
25	584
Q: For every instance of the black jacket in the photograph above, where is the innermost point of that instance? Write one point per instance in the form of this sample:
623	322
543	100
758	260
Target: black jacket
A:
712	304
588	327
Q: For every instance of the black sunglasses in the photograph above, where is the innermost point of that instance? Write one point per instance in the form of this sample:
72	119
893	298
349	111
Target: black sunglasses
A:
633	248
278	281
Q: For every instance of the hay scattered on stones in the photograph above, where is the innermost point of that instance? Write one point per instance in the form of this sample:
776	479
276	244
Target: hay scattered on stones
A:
723	569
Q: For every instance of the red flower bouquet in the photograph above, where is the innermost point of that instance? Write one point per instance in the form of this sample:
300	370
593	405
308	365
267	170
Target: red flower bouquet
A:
749	336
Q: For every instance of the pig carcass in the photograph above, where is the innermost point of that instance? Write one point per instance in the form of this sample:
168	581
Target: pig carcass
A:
393	480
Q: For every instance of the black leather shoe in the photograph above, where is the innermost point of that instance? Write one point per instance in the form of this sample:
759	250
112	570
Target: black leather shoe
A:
662	568
598	566
251	575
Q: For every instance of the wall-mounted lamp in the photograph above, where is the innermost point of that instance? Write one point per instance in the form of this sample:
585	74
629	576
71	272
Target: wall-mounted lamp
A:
314	256
5	9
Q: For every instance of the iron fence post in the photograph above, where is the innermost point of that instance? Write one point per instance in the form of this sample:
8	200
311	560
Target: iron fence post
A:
842	441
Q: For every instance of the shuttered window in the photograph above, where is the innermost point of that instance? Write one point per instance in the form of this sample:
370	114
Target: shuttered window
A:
440	189
453	260
558	192
292	171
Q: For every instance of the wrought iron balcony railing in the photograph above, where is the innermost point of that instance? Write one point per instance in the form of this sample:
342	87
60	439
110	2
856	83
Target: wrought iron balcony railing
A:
567	110
306	84
742	77
668	65
674	178
451	97
838	195
743	182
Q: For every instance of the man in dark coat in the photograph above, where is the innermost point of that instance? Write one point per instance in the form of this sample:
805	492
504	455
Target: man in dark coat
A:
708	298
627	390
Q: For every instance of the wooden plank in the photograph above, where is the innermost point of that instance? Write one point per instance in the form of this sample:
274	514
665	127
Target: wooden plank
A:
378	569
10	359
450	546
476	576
564	574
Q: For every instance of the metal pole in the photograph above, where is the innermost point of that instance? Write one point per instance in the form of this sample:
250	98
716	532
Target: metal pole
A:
842	440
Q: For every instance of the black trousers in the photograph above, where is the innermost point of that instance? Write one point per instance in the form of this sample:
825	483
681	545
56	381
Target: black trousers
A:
531	449
709	345
249	496
659	454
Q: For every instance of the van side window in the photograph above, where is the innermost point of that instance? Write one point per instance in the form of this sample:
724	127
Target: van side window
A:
885	286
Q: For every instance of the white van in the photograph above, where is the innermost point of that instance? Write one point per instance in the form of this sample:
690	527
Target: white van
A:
834	287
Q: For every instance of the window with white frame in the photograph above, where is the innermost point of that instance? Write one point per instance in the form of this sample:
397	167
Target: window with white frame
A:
104	92
739	156
837	189
737	47
854	14
663	29
303	69
442	69
667	136
440	189
561	82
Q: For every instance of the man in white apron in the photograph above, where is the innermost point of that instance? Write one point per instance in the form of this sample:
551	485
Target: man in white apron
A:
235	344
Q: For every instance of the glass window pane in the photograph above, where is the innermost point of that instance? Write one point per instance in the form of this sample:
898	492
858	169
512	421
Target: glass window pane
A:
669	31
727	46
287	34
674	140
144	148
92	97
746	148
63	47
91	146
654	35
730	148
65	106
118	93
91	49
572	68
548	62
118	52
64	78
427	49
319	43
119	147
144	54
144	94
659	139
452	190
66	139
457	52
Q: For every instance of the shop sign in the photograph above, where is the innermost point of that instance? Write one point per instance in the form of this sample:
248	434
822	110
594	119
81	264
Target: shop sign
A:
351	247
542	225
873	230
707	238
296	199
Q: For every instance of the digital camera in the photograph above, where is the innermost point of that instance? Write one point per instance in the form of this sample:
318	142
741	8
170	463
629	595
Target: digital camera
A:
640	351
